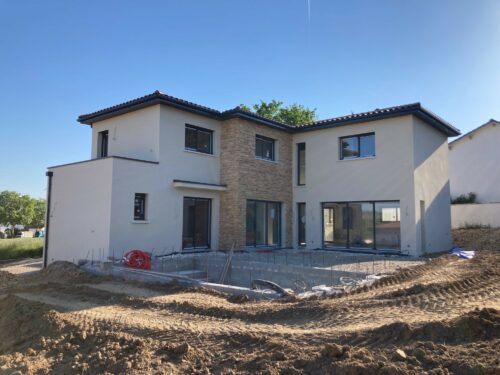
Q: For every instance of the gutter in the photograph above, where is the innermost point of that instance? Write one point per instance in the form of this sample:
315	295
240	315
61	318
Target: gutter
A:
49	175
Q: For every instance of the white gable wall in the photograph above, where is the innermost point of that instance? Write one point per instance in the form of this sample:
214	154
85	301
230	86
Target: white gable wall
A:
474	165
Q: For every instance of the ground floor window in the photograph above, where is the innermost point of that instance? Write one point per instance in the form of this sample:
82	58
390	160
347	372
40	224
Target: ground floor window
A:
196	223
301	223
140	206
263	223
362	225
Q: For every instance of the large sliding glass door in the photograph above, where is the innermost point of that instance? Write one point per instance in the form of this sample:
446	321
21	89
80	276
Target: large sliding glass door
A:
263	223
362	225
196	223
387	225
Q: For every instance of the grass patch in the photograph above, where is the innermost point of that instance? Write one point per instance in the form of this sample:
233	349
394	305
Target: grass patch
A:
17	248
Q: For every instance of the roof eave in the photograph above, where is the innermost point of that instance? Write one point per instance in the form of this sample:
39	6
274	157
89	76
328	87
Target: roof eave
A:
147	102
420	112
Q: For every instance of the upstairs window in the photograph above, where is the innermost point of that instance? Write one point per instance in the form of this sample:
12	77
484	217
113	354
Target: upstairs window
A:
264	147
357	146
102	151
140	207
301	163
198	139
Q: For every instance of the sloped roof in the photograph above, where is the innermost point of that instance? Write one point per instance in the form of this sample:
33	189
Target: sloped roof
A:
491	121
159	98
415	109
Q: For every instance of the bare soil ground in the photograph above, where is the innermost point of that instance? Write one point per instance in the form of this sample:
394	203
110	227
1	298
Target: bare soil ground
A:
477	239
437	318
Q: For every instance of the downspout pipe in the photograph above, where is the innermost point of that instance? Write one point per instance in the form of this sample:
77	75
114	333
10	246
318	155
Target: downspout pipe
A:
49	175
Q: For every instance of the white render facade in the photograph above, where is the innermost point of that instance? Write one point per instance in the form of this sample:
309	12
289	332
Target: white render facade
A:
150	191
474	160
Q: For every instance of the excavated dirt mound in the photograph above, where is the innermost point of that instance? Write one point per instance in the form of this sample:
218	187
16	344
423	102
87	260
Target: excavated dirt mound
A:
6	277
438	318
62	272
22	322
477	239
477	325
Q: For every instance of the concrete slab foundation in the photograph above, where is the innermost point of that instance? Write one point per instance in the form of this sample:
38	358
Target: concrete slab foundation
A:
300	271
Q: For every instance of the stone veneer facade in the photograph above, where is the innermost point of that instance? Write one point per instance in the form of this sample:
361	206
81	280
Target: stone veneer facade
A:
249	178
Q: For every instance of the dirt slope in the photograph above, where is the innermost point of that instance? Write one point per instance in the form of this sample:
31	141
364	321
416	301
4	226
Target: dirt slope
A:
438	318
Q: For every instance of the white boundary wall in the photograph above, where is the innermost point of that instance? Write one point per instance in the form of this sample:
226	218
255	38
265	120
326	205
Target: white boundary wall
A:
473	214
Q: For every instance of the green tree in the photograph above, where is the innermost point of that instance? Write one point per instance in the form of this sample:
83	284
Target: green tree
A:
294	114
38	220
16	209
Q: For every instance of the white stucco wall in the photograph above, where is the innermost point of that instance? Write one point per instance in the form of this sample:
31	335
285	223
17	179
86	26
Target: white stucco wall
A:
132	135
474	164
463	215
387	176
162	231
80	211
102	191
430	150
157	134
411	164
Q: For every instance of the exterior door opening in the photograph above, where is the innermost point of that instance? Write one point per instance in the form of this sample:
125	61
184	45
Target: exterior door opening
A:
196	223
263	223
362	225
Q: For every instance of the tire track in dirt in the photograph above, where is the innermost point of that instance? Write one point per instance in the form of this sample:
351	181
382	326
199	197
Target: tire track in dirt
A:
187	315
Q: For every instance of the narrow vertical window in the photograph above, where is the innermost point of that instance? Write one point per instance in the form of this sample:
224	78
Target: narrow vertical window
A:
140	206
102	151
301	163
301	223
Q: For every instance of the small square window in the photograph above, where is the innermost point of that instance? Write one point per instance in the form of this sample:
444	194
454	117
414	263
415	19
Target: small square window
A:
264	147
140	206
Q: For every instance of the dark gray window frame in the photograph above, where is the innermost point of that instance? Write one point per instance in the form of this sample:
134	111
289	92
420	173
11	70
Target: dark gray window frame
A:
301	147
278	245
143	214
273	147
103	143
374	248
300	243
199	129
209	223
358	136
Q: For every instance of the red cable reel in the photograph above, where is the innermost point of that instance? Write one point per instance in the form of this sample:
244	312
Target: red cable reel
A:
137	259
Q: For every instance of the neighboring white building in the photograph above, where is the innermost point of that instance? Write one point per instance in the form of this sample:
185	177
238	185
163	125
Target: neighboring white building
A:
169	175
475	163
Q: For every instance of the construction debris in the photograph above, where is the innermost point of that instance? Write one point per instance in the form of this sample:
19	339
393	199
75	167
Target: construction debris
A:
461	253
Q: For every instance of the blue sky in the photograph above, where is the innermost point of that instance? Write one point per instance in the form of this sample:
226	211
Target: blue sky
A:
60	59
